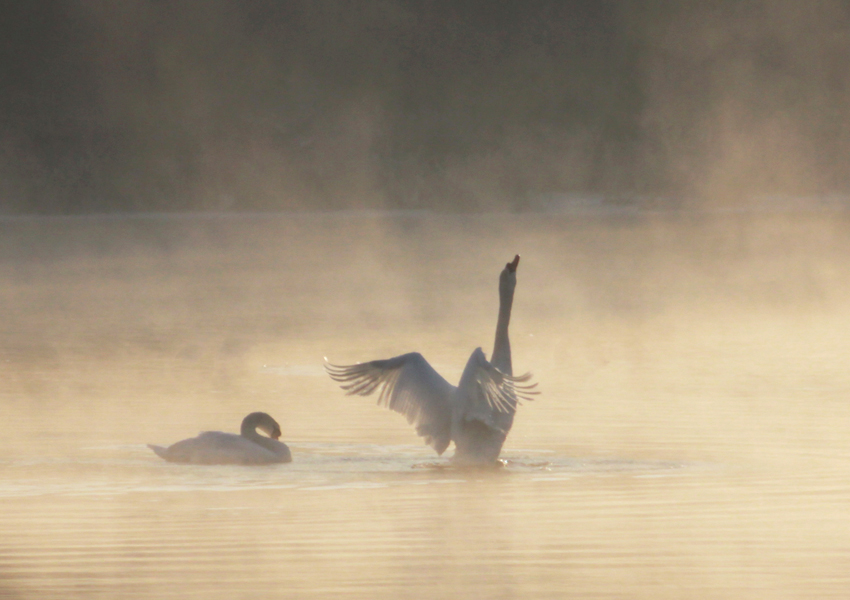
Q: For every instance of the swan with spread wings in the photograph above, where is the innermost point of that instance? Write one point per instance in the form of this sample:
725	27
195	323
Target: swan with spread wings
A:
476	415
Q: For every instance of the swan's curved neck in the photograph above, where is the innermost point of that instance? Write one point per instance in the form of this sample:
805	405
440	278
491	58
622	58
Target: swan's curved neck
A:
249	427
501	358
249	431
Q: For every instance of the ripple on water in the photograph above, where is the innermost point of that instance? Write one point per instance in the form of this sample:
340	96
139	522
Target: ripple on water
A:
120	469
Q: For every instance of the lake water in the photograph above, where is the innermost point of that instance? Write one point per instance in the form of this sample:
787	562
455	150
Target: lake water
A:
692	438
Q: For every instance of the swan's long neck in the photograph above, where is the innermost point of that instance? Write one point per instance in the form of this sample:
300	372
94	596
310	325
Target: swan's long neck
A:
249	431
501	358
249	426
252	422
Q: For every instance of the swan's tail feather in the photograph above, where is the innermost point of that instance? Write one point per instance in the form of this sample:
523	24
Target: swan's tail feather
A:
160	451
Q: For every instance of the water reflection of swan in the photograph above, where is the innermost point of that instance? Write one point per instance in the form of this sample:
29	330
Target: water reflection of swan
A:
218	448
476	415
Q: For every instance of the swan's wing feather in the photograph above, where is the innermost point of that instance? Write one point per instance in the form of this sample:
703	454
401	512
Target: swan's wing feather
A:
488	395
408	385
504	393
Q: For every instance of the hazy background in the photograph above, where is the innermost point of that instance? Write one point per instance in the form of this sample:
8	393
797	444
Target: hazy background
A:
692	438
267	105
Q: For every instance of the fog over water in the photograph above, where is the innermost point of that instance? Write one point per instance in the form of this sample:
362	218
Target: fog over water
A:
266	105
691	439
199	201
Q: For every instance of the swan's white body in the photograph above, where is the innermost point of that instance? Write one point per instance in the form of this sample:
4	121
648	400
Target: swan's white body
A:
476	415
218	448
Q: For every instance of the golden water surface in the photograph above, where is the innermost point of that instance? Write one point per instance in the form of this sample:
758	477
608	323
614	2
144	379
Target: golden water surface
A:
692	439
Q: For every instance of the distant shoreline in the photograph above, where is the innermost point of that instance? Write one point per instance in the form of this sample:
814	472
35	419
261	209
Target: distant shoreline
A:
566	206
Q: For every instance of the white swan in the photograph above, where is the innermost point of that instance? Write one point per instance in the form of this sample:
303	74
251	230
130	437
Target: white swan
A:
218	448
477	414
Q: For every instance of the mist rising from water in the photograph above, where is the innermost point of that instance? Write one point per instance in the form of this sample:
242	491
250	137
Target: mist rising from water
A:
223	105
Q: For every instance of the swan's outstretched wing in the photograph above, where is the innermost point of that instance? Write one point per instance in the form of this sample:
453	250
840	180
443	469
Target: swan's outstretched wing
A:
486	394
504	392
408	385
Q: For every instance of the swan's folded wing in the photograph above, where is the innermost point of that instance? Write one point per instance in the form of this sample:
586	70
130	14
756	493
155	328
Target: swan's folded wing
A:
408	385
219	448
488	395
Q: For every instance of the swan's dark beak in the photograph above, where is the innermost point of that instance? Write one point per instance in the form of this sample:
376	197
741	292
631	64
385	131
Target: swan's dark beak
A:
511	266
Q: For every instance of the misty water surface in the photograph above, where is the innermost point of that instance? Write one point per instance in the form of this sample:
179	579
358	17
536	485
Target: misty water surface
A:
691	440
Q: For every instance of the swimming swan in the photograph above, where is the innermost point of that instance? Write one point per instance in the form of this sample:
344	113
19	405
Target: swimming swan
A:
476	415
218	448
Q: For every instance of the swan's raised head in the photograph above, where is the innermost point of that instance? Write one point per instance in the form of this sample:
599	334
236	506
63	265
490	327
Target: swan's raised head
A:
507	280
262	421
